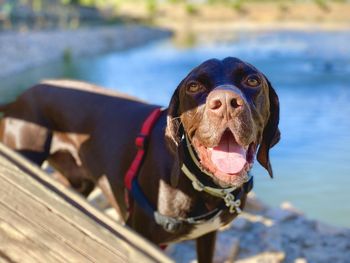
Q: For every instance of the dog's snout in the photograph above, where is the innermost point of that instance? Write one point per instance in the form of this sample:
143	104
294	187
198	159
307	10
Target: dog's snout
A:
224	101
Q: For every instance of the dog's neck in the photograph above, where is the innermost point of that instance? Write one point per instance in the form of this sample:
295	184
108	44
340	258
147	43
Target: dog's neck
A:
189	179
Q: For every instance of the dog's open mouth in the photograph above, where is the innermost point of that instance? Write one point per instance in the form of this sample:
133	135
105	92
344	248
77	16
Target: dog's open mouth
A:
228	161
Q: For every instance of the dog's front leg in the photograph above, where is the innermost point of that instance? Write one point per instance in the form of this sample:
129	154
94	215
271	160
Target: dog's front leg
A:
206	247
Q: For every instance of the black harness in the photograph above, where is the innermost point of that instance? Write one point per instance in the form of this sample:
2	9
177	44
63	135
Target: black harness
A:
172	224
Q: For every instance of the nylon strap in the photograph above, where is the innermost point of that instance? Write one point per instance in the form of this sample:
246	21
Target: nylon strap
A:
140	143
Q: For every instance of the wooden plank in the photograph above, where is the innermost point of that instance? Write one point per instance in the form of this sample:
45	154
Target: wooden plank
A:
47	211
50	227
42	221
18	245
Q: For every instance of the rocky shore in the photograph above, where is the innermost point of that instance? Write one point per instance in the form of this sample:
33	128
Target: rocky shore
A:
263	234
274	235
22	50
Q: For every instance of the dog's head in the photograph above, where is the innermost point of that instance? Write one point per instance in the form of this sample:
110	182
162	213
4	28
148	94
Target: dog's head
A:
230	113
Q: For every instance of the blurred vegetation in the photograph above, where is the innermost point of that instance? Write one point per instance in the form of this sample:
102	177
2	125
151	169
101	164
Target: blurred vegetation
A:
195	2
72	13
37	5
191	9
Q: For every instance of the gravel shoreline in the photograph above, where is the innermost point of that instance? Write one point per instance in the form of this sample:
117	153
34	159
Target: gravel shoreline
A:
22	50
273	235
263	234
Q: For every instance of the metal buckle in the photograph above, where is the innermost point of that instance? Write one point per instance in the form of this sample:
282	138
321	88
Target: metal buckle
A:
232	203
169	224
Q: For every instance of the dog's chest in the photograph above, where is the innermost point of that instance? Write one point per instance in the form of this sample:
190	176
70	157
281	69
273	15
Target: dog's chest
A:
204	228
200	229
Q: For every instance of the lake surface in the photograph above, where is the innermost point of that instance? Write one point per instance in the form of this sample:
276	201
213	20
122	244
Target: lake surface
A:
311	74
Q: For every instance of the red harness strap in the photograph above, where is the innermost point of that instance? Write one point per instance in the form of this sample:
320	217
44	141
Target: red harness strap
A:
140	144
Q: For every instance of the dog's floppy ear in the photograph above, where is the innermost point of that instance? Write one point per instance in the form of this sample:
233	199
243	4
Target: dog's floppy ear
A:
172	131
271	133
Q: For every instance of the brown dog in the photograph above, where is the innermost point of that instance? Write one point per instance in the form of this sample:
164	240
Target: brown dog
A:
195	171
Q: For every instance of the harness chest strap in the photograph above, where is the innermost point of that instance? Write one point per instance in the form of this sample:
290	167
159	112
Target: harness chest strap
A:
140	142
173	224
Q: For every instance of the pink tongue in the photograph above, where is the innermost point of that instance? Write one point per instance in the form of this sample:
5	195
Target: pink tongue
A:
229	157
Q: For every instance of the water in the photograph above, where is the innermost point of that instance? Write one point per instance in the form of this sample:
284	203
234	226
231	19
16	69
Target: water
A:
311	74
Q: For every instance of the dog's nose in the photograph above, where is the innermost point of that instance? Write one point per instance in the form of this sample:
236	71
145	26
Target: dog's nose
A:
221	101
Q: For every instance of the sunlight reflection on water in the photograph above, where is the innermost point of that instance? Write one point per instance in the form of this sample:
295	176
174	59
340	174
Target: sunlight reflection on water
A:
311	73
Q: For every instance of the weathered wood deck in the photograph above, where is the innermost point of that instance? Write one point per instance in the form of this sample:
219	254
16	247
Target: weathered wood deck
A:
42	221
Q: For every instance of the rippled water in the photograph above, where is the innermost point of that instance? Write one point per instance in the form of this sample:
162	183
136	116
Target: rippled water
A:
311	74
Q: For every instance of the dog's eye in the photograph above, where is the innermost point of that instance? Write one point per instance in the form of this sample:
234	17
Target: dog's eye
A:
253	81
194	87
